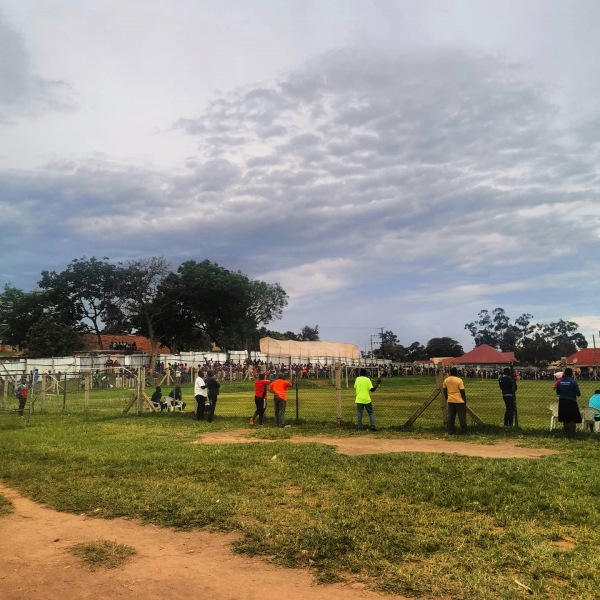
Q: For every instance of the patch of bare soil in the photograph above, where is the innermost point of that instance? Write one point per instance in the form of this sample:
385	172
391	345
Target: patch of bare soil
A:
35	563
370	444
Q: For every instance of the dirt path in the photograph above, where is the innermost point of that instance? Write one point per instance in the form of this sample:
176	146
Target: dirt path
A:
35	562
370	444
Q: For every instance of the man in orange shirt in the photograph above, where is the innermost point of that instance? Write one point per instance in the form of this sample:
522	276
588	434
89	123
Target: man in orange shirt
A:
260	398
279	389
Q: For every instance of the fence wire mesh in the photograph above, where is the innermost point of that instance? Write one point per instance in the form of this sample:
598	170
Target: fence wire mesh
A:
318	395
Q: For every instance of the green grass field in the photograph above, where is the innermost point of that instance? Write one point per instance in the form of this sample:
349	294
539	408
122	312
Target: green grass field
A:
410	523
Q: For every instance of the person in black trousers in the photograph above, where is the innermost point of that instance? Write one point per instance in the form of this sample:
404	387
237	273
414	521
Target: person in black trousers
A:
212	387
508	385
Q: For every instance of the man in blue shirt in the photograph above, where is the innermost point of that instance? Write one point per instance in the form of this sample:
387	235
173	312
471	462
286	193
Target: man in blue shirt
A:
567	390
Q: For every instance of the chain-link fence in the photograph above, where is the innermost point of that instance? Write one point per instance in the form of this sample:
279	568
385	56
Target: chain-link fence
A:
324	395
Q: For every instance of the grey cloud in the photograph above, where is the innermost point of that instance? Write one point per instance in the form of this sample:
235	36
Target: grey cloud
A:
23	92
446	163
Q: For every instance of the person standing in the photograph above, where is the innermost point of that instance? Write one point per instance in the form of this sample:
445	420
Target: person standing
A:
279	389
567	390
21	392
508	385
261	383
212	387
364	386
200	395
456	400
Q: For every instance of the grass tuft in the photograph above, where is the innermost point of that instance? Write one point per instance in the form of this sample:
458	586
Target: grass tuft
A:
6	506
103	554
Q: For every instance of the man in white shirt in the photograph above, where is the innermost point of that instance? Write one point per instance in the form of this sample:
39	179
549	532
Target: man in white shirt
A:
200	395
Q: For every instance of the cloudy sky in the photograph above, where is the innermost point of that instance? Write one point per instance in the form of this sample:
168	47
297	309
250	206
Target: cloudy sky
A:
392	163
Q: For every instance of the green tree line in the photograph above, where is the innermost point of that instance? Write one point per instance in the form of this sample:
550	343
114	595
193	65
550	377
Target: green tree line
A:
532	343
197	306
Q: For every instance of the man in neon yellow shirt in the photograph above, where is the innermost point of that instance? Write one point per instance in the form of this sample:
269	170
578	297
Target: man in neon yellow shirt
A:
456	398
364	387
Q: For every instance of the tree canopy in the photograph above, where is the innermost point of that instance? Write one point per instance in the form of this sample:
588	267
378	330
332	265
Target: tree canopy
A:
198	305
532	343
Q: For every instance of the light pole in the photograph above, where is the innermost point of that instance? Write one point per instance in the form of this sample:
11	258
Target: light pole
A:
372	352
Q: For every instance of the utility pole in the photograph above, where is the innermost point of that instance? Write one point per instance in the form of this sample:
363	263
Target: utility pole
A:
382	351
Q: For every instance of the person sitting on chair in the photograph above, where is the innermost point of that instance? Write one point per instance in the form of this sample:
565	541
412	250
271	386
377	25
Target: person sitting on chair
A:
595	404
157	399
176	398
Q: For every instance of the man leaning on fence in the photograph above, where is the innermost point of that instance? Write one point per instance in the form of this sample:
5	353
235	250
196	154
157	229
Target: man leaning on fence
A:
456	399
279	389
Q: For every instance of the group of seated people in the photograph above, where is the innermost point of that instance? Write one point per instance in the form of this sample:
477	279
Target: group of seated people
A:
123	346
174	400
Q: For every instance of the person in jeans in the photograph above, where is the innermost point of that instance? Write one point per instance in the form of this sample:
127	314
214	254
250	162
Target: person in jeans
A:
364	387
456	399
279	389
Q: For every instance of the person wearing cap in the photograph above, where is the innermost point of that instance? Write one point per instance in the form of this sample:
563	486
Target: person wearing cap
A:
567	390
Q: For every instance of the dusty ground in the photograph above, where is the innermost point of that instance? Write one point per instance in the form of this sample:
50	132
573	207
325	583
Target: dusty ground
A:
35	562
370	444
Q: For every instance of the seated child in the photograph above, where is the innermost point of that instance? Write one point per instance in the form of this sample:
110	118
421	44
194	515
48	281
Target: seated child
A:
176	398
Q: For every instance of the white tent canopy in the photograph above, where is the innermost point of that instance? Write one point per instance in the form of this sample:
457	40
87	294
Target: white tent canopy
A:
308	350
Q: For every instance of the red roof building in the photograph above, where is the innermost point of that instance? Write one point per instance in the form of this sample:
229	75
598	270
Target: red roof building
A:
586	357
142	344
484	355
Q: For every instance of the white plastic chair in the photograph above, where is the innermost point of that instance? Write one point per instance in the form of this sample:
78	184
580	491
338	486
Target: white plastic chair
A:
587	414
553	406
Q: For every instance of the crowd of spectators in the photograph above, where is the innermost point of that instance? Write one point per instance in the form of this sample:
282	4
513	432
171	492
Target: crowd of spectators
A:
125	347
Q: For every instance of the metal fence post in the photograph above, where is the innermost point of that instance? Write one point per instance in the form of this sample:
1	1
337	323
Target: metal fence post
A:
338	392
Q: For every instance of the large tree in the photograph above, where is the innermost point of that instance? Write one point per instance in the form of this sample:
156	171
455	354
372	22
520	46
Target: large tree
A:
535	344
19	310
226	306
139	285
390	347
415	351
50	336
89	286
444	346
33	322
309	334
550	342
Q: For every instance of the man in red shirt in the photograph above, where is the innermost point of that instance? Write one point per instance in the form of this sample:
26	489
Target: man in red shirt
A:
279	389
260	398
